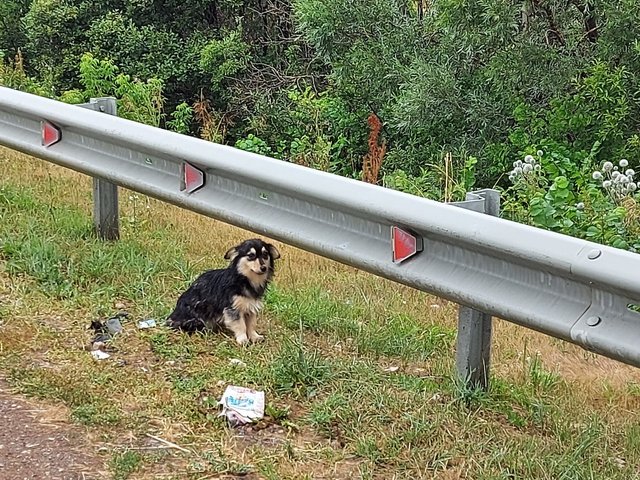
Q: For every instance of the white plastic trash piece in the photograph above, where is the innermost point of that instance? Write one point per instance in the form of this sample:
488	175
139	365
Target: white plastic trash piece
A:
150	323
242	405
99	354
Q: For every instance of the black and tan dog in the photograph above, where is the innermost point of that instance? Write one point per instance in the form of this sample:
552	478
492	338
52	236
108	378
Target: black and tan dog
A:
230	298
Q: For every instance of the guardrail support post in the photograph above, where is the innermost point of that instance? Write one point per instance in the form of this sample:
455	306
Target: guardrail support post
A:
105	193
473	346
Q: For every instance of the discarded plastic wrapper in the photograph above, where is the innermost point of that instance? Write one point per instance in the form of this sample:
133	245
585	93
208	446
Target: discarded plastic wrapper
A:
242	405
149	323
113	325
99	354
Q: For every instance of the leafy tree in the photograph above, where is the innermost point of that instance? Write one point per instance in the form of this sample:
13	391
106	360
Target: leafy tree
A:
12	34
150	51
226	57
56	34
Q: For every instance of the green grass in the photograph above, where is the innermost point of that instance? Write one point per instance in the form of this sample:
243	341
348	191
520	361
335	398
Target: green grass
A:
53	246
397	335
124	464
333	406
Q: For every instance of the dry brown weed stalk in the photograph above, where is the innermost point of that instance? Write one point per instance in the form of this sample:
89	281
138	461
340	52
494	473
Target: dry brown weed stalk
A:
373	159
212	128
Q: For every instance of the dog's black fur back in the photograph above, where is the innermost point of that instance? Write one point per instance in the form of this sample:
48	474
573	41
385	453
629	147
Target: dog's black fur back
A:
217	293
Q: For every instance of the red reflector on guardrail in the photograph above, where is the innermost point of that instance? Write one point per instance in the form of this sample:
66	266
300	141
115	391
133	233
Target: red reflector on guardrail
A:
192	178
50	134
405	244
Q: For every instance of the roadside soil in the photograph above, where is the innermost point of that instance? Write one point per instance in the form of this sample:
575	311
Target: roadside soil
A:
38	442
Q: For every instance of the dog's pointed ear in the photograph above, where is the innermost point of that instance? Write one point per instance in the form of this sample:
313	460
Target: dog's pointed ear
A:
273	251
231	253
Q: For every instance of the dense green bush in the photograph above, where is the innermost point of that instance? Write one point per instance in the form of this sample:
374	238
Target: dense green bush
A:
137	100
462	88
313	129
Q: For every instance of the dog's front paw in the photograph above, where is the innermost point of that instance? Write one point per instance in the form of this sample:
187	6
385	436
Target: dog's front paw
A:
256	337
242	340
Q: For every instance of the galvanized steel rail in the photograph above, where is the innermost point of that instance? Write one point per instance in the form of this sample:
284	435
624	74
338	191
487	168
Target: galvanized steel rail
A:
571	289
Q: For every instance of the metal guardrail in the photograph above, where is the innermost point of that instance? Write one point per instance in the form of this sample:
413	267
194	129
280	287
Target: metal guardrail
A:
568	288
105	193
473	341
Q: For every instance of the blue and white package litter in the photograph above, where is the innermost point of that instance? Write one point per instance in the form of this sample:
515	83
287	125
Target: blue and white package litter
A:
242	405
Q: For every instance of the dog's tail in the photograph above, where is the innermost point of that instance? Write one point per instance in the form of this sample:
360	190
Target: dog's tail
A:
189	324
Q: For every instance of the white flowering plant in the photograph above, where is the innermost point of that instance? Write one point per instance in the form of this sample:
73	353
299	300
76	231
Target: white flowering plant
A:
572	193
618	181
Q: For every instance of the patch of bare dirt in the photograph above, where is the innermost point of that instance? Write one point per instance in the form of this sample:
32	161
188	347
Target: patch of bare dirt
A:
37	442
